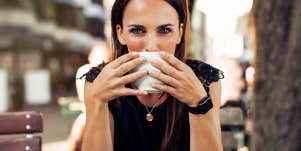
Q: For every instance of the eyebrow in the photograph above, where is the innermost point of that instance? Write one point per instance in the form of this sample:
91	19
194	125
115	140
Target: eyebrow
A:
141	26
136	25
165	25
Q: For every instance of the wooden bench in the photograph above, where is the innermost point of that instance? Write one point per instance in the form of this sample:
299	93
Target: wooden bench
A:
26	123
233	129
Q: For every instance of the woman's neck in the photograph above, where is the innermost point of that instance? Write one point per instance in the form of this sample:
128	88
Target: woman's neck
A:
154	99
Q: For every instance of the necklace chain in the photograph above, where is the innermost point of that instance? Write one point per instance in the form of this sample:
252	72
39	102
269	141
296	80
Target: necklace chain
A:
149	116
153	107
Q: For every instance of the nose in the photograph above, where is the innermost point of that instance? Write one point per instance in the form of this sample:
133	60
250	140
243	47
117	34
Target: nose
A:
151	43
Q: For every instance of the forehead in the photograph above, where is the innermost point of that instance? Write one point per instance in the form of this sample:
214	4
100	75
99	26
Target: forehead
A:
149	12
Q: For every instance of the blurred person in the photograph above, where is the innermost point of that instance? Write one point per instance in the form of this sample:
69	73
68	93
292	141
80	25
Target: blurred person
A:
98	54
185	114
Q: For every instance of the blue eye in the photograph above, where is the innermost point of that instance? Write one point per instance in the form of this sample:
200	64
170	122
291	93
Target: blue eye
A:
136	31
165	30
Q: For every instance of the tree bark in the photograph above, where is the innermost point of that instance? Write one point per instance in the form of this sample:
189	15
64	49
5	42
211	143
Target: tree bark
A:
277	104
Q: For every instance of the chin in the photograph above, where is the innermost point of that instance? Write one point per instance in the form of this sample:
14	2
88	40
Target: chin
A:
157	95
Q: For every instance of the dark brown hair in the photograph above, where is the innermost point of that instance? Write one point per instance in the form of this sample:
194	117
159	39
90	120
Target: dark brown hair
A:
174	114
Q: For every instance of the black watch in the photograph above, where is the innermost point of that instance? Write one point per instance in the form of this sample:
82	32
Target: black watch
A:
203	106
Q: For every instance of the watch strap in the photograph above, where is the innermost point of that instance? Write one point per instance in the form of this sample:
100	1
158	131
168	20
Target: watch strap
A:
203	107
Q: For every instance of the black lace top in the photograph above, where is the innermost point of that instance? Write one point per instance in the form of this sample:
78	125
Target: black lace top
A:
132	132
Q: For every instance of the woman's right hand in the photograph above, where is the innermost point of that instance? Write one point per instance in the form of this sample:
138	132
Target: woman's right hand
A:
110	83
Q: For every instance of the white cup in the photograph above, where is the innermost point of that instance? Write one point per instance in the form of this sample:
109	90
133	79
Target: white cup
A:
144	83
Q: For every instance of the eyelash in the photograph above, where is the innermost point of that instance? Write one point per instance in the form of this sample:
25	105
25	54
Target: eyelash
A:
138	31
164	30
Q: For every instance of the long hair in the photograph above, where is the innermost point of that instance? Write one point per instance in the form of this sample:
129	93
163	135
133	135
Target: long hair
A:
174	114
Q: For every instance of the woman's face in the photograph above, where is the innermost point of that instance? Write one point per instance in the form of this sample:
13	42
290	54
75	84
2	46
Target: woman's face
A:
150	25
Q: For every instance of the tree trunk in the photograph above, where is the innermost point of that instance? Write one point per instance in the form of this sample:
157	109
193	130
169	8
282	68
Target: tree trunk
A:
277	107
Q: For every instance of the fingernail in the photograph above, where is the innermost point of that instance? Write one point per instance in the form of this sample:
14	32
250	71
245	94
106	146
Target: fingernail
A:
134	53
142	58
151	72
153	61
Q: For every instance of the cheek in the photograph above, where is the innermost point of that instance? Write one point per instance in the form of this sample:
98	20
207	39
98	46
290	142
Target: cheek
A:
134	44
163	43
167	44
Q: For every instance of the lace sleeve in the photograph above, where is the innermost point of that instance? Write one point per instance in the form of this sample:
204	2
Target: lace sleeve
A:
205	72
93	72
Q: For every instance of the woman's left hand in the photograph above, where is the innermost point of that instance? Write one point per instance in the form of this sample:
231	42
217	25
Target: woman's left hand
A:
179	80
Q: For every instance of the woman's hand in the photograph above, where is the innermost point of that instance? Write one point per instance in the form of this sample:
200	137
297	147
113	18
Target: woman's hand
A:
110	83
180	80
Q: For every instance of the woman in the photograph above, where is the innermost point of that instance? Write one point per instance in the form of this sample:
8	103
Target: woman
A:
116	111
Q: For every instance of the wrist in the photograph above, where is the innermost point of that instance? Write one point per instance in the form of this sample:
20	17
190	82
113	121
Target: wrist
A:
95	105
100	104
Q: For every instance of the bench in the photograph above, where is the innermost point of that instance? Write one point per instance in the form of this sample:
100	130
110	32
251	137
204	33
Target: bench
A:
233	129
17	129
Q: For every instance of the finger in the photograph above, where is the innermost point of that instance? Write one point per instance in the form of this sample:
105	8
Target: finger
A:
164	88
124	58
132	77
164	78
172	60
129	92
130	65
165	68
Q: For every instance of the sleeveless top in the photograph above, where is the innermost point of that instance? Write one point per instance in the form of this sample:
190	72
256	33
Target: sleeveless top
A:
131	130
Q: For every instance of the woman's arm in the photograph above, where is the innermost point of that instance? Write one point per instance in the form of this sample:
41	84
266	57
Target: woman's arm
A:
99	129
105	85
205	130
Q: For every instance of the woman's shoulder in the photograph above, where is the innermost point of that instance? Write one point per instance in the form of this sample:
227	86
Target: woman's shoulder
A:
205	72
93	72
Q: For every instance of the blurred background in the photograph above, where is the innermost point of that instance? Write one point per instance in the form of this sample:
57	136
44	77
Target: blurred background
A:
46	45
